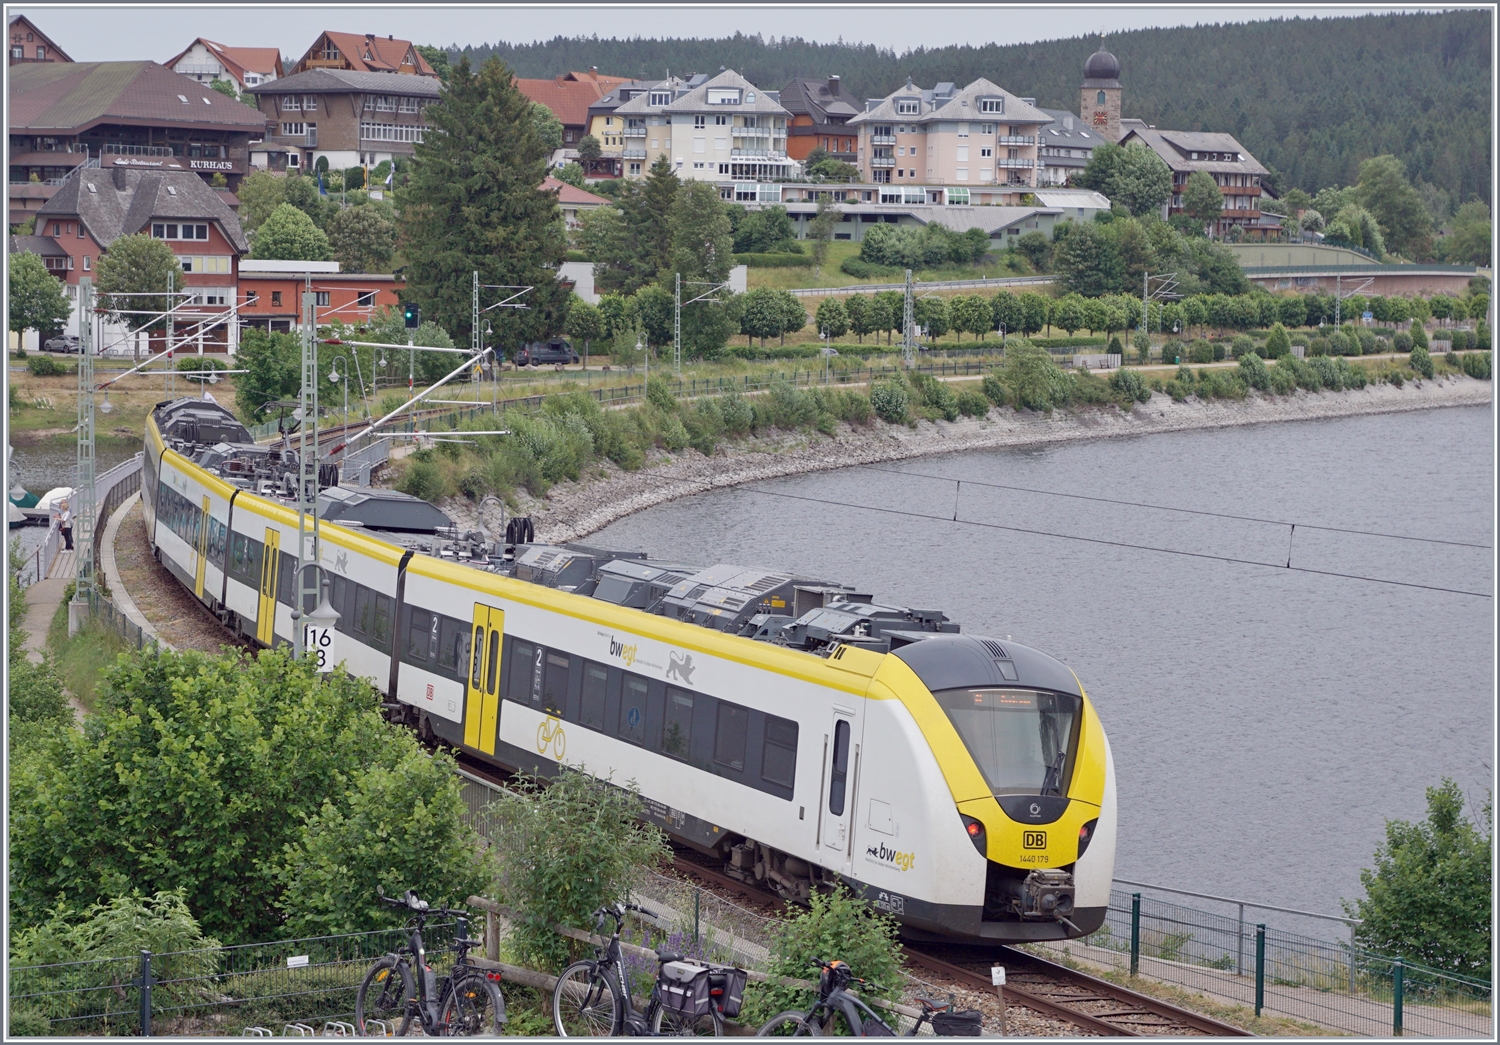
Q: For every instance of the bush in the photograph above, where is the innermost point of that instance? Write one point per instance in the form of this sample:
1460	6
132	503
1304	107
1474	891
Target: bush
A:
972	402
888	399
1115	348
199	366
1395	378
1451	359
1418	336
1176	391
1477	365
1299	338
736	412
1482	337
46	366
565	850
1460	340
934	395
1403	341
1131	385
853	266
20	352
1253	370
1328	372
1352	376
994	389
842	405
1242	346
1141	342
1318	346
1282	378
659	394
1032	379
1366	341
1339	344
1421	361
1200	352
837	924
1278	343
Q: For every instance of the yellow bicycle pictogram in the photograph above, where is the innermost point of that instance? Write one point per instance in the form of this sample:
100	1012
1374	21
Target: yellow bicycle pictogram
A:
551	732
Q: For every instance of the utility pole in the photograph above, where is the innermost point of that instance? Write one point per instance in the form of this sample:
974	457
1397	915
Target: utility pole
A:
677	326
307	458
83	487
474	328
908	347
1338	297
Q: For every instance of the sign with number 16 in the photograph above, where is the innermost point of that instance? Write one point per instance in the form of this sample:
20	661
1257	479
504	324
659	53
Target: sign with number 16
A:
319	641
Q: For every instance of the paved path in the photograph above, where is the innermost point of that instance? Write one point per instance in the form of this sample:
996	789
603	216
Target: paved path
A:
42	601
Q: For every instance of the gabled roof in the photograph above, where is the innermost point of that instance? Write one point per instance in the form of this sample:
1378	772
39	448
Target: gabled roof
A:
570	96
43	246
1067	131
944	102
71	97
1179	148
316	81
120	202
370	53
25	24
572	193
641	103
615	97
752	99
826	101
239	60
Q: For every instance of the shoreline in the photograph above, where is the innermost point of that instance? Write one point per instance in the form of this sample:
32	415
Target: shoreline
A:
570	511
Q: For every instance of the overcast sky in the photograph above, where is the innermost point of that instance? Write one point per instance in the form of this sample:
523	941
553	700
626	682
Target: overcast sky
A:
106	33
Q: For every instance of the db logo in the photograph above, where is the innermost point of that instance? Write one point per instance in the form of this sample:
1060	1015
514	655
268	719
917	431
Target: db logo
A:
1034	840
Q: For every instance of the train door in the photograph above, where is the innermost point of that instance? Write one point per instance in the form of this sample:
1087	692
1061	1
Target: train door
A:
270	568
840	765
482	703
204	524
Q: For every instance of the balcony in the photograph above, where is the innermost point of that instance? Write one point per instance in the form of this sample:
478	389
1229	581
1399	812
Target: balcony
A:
882	139
759	154
882	161
633	154
633	132
1015	139
751	132
1009	164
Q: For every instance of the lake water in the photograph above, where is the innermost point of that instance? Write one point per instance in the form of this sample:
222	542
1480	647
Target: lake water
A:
45	464
1265	723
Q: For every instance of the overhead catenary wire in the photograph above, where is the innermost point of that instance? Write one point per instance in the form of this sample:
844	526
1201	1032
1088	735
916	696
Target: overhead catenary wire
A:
1076	537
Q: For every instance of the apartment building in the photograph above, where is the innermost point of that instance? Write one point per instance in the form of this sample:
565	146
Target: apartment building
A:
1237	173
207	61
30	44
1064	147
608	127
96	207
821	111
570	97
369	53
352	118
980	136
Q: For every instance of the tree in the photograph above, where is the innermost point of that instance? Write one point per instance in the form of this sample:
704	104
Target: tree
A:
892	311
1033	246
260	193
932	315
702	252
652	306
437	58
274	365
137	264
833	318
793	314
362	239
388	326
1087	262
226	88
1397	207
1104	163
473	202
1142	180
1427	899
1469	242
830	169
301	191
820	230
1070	313
570	173
861	319
549	129
290	235
1277	342
649	212
1006	311
1201	198
763	231
1033	312
969	313
37	300
588	148
584	323
1293	310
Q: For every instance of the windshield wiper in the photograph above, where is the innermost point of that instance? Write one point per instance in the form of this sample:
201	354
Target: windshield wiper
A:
1052	782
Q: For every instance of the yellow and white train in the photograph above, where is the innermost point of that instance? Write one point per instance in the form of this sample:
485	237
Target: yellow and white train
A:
795	729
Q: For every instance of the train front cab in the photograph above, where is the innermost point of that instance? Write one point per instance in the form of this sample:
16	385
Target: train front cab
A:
1030	773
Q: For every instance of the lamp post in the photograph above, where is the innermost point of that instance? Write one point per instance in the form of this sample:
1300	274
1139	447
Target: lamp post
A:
335	377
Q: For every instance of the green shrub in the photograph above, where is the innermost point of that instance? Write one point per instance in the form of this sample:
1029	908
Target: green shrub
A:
735	410
1176	391
199	366
972	402
1220	384
1281	378
673	434
46	366
1477	365
1460	340
1366	342
1115	348
934	395
1403	341
1278	343
1220	351
1141	342
1421	361
1088	387
1328	372
1339	344
1131	385
1242	346
994	389
20	352
888	398
1033	380
1451	359
1418	336
1318	346
785	406
1299	338
424	478
704	424
859	269
1253	370
29	1023
1351	375
1395	377
1200	352
659	393
1482	337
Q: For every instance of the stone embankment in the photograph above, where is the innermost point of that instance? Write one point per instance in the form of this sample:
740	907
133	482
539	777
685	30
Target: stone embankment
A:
571	511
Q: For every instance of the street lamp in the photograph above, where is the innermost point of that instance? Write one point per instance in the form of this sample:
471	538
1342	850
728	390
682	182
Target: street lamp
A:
336	378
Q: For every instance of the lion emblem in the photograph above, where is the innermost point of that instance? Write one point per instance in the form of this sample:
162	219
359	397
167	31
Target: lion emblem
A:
681	668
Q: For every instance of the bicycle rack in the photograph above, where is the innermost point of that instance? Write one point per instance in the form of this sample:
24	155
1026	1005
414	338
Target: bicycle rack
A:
338	1029
298	1030
380	1029
257	1032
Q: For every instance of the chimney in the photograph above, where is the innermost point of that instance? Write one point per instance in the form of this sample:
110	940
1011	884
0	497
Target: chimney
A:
1068	121
833	86
119	173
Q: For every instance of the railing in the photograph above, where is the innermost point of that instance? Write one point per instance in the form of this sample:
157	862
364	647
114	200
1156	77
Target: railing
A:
111	490
633	154
1015	164
750	132
882	139
40	561
882	161
122	149
1015	139
948	284
633	132
763	154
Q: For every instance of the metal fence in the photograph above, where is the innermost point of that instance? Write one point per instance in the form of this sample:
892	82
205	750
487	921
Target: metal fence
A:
104	611
35	566
1332	985
275	987
942	284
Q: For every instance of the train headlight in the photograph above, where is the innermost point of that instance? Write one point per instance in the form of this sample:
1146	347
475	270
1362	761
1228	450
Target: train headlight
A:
1086	835
975	831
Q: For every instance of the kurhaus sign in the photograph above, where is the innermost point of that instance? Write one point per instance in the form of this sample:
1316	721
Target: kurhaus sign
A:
211	165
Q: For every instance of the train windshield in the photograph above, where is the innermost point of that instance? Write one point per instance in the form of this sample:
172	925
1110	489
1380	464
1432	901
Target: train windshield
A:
1023	740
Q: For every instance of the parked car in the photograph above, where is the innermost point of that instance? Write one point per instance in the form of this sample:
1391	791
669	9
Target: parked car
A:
554	350
61	343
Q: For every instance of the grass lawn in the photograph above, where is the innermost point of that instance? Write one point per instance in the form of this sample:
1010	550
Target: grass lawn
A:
833	276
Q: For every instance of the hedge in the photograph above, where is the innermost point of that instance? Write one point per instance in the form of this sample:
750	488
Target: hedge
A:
774	261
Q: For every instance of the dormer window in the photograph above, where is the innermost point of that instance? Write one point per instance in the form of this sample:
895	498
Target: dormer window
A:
660	98
724	96
907	106
996	105
750	98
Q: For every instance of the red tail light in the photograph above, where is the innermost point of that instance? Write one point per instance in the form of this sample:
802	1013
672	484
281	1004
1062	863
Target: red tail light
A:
1086	835
975	831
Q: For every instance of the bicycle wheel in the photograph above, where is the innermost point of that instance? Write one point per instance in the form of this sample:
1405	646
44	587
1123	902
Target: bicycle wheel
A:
669	1024
586	1003
474	1007
380	1007
788	1025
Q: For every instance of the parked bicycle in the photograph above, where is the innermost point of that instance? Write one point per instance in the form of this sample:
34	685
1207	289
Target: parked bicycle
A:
593	998
402	986
836	1003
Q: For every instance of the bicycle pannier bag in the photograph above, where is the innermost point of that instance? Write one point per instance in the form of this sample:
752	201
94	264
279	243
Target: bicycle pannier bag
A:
685	989
728	988
873	1028
967	1023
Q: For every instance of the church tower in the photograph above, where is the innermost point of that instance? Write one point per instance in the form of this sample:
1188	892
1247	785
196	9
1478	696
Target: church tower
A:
1099	98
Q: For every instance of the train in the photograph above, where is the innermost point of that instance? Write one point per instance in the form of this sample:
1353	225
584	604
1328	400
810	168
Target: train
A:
796	729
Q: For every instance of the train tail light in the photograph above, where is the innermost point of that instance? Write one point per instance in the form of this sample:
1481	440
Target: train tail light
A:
975	831
1086	835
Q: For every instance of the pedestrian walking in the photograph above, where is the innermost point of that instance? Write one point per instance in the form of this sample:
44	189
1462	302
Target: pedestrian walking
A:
65	525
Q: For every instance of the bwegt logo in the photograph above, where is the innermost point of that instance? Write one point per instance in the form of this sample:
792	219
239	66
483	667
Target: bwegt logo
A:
890	856
624	652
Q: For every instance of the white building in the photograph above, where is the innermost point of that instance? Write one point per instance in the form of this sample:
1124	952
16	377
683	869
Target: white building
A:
206	61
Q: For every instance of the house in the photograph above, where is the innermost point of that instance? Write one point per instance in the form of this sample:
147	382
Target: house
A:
352	118
622	150
94	208
709	128
138	115
1237	173
821	111
364	54
1064	147
575	202
206	61
569	97
30	44
270	295
981	136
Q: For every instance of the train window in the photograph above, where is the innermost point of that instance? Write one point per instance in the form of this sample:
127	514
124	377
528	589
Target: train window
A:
453	644
555	684
339	594
474	676
633	710
1023	741
518	683
839	774
362	602
382	634
778	762
729	736
237	556
494	662
679	723
416	634
591	712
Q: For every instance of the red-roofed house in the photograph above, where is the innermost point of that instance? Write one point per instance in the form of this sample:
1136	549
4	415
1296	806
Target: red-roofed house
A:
569	98
30	44
364	54
575	202
206	61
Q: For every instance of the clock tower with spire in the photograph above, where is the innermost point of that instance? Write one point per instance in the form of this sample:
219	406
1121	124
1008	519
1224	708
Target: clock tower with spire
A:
1099	98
